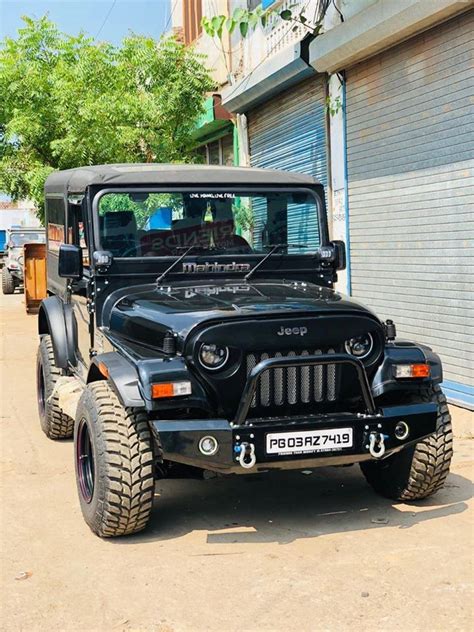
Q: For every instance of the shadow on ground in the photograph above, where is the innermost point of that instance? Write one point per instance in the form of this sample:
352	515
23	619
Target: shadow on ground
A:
287	506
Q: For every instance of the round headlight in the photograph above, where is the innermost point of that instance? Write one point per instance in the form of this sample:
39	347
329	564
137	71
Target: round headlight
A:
213	357
360	346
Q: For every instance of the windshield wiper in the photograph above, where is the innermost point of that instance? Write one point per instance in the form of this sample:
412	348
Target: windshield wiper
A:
174	264
274	248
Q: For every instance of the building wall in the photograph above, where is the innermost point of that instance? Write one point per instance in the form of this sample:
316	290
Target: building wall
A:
217	52
367	32
263	42
410	156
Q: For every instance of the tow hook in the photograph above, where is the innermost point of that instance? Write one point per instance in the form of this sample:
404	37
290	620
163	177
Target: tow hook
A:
376	445
247	458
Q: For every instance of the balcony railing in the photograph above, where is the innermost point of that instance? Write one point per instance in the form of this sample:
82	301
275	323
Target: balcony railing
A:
281	33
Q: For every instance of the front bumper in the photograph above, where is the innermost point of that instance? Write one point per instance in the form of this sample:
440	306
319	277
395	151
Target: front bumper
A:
180	438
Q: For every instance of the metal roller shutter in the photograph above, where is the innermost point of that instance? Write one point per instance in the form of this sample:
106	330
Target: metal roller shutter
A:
410	144
288	132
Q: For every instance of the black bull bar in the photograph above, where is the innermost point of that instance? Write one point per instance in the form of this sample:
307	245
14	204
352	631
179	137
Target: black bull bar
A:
181	440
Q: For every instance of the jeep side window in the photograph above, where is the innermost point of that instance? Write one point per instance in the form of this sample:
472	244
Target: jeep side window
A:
55	223
77	234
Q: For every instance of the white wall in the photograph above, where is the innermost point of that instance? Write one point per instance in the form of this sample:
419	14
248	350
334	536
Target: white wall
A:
19	216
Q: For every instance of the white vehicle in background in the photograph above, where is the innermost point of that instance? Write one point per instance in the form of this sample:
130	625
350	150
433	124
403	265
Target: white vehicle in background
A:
12	271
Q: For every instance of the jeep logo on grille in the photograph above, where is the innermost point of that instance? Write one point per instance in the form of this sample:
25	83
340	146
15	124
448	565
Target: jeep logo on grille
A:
292	331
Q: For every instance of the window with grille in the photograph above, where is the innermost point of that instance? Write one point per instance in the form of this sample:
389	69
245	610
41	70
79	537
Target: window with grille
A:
218	152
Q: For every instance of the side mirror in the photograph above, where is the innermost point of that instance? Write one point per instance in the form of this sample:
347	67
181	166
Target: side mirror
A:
340	254
70	261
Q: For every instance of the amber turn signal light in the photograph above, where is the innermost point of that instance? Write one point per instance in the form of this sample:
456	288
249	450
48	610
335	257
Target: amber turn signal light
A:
103	369
404	371
170	389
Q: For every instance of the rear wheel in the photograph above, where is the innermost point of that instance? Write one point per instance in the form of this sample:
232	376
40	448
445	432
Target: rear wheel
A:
54	423
418	471
114	463
8	282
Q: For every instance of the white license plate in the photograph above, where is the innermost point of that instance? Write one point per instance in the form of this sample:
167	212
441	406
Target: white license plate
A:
309	441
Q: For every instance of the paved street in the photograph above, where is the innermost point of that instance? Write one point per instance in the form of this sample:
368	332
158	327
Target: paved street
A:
290	552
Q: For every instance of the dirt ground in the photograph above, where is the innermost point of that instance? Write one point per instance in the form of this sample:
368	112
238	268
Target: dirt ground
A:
288	552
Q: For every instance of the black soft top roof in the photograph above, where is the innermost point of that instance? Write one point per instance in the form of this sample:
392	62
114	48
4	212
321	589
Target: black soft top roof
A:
78	179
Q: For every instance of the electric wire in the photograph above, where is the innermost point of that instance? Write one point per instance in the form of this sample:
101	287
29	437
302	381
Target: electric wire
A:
172	10
106	18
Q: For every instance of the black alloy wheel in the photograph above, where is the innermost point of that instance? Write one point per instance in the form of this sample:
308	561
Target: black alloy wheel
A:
54	422
40	389
85	462
114	462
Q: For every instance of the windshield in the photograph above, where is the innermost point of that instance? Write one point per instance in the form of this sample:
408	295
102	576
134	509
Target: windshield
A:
160	224
19	239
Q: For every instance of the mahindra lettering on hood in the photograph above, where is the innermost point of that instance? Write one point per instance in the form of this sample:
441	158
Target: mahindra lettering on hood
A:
215	267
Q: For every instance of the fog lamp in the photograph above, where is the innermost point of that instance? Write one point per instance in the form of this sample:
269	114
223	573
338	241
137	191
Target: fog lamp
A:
208	445
402	430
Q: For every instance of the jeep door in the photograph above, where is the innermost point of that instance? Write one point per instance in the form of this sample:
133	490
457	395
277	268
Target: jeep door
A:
80	290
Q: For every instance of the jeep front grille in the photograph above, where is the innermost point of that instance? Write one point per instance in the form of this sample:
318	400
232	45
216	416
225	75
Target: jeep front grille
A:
293	385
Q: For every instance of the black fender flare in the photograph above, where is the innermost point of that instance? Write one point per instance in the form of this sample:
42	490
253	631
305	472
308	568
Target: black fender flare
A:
56	319
404	352
121	375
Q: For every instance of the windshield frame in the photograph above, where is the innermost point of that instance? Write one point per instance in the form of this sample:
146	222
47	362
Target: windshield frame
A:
251	189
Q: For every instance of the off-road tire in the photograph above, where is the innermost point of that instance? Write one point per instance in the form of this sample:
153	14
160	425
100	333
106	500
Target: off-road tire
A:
8	282
121	497
54	423
418	471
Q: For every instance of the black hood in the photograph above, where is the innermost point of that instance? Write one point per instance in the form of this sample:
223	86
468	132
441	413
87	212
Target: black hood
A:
145	314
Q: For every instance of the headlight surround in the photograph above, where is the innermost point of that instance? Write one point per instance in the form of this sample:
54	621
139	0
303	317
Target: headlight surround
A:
360	346
212	357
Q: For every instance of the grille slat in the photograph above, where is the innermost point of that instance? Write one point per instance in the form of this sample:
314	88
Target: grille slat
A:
293	385
265	385
252	363
278	375
305	381
291	381
331	380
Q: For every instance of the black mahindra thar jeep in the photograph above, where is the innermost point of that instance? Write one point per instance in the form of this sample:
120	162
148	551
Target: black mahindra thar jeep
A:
192	326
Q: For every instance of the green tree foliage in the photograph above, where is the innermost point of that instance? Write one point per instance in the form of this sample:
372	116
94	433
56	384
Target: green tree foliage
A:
68	101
